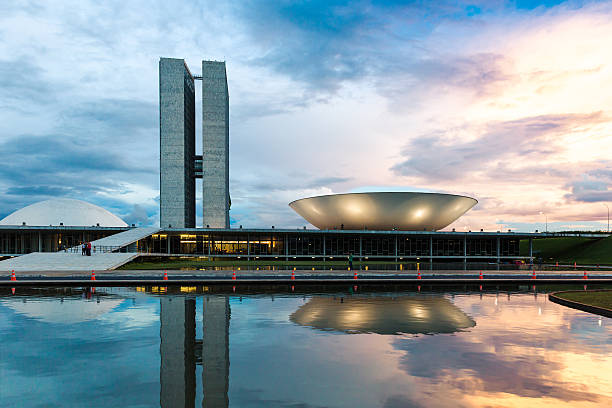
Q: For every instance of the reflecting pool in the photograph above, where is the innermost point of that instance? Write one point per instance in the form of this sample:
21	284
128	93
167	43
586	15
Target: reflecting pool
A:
200	346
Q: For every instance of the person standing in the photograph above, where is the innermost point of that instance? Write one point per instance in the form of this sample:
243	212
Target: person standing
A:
89	249
83	248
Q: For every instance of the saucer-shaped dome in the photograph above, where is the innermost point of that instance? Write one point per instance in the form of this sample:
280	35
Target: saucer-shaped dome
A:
383	211
65	211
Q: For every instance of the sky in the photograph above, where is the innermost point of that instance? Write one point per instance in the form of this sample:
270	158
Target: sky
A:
509	102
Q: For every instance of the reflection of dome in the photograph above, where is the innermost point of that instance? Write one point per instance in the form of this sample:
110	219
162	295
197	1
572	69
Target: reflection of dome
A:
383	315
67	211
383	211
66	311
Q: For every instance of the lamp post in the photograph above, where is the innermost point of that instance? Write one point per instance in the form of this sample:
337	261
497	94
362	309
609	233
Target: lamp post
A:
608	215
546	220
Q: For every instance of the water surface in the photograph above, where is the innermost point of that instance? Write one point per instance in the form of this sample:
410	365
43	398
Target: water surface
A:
143	347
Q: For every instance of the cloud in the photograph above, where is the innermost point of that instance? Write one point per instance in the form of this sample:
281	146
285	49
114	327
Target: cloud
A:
594	186
447	155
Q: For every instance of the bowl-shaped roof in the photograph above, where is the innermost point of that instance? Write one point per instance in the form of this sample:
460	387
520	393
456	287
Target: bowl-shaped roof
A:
383	211
67	211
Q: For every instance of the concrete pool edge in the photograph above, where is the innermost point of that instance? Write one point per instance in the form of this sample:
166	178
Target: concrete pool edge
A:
102	281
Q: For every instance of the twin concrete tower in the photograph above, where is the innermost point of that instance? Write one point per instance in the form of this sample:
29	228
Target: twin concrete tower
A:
179	164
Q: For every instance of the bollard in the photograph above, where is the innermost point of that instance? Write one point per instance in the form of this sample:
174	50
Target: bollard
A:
585	275
165	275
93	275
13	277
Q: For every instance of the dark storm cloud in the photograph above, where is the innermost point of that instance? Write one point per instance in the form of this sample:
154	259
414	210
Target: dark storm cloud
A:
526	140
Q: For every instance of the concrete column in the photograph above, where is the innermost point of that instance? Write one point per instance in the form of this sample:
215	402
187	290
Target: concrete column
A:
396	250
323	247
177	351
39	241
430	252
465	252
360	247
215	351
498	252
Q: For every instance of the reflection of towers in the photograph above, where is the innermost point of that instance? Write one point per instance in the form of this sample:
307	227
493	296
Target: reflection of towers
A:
179	355
215	351
177	333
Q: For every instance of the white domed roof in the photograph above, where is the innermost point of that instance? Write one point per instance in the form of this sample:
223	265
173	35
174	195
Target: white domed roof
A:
67	211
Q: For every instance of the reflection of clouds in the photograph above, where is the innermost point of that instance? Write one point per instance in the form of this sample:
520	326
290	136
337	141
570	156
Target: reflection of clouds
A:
133	317
514	356
63	311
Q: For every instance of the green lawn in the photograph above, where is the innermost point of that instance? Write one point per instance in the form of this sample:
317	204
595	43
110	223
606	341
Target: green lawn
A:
599	299
571	249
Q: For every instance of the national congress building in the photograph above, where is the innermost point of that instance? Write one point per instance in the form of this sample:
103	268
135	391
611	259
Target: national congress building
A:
393	226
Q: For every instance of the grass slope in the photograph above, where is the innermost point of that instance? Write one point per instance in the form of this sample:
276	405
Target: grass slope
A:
571	249
599	299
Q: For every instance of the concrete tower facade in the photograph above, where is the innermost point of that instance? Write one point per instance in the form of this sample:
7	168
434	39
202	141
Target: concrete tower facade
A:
177	144
215	142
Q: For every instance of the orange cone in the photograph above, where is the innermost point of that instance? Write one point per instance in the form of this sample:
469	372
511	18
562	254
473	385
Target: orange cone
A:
557	264
418	275
574	264
292	275
355	275
93	275
13	291
234	275
292	288
480	277
534	275
419	288
13	277
585	276
165	275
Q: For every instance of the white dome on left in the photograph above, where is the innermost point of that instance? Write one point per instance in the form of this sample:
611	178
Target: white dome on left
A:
69	212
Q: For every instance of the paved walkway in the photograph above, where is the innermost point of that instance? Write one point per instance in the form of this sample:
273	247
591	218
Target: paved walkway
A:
124	238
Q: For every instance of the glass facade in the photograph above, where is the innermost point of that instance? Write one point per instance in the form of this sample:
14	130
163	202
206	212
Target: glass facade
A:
329	244
15	241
